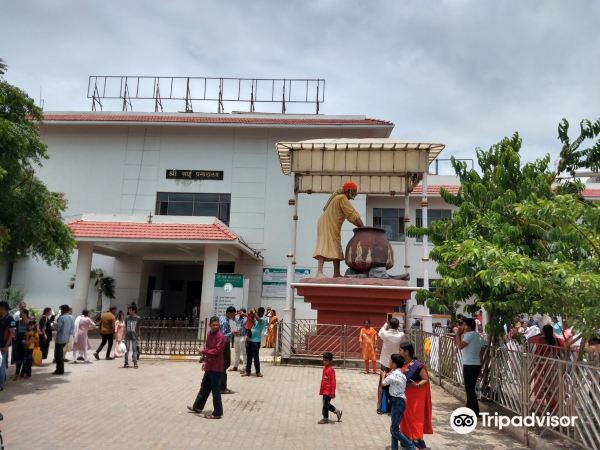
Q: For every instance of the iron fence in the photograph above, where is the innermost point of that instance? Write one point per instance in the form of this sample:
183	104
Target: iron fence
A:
185	322
309	339
172	340
529	379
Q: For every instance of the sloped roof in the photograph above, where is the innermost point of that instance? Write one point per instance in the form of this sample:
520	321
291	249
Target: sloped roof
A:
192	118
159	231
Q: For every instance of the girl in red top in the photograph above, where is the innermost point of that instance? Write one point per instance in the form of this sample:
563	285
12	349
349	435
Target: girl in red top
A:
328	389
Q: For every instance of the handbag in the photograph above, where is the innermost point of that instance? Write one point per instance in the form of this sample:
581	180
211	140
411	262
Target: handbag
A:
385	401
36	356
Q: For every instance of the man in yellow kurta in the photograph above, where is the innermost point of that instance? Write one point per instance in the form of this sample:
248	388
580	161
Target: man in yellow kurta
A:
329	241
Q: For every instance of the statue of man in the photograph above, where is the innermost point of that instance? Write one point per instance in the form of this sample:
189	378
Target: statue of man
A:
329	241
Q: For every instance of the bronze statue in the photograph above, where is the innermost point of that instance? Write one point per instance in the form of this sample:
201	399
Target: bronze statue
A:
329	241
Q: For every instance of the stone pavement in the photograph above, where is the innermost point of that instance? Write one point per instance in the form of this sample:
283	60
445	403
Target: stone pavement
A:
100	405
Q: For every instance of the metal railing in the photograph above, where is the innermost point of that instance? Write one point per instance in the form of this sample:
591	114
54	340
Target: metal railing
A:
172	340
529	379
169	322
309	339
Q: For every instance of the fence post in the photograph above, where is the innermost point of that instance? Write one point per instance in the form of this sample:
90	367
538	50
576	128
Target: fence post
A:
343	346
525	383
287	344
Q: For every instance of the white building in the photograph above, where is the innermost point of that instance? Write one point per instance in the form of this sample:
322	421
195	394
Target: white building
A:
183	172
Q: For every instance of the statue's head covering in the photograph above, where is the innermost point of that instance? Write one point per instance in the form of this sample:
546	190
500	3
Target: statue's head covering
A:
350	186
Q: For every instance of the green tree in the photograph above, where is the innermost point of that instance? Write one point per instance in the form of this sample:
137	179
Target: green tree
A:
105	286
486	227
518	242
573	157
31	216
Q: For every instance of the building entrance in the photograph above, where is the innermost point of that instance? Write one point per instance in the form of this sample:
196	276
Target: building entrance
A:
182	287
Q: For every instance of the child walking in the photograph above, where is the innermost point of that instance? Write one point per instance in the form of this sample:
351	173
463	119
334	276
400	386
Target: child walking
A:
328	389
132	335
30	341
396	380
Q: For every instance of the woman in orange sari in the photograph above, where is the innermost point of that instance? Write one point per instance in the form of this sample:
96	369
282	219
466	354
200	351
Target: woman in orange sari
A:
416	421
271	330
368	342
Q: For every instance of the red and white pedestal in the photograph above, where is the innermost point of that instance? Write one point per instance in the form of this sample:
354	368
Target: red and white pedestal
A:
351	301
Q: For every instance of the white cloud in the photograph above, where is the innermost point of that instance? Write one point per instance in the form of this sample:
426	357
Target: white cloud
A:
465	73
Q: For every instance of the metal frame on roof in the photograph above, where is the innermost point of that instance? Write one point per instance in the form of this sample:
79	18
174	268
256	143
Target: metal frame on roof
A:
380	166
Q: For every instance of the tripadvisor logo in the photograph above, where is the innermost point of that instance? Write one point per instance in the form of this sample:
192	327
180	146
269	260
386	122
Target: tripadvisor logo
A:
464	421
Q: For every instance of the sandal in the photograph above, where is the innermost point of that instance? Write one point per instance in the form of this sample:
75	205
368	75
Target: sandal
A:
194	410
338	413
210	416
379	411
323	421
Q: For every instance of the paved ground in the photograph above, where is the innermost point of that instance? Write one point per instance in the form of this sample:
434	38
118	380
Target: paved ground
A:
103	406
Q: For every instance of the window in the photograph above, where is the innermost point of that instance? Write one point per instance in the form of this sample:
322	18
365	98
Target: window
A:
432	216
184	204
391	220
420	283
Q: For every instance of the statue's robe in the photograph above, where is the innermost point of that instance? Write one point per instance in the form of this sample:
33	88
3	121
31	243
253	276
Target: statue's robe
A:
329	241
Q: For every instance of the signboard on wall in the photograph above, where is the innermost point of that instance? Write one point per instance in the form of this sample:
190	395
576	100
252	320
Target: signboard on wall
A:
189	174
229	291
274	282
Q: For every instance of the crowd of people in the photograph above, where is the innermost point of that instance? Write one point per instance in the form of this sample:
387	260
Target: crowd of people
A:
234	340
29	339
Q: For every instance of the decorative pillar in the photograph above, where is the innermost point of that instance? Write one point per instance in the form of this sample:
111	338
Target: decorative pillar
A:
427	320
289	313
211	262
406	220
82	277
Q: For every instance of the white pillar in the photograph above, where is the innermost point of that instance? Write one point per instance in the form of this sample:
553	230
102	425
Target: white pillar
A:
211	262
289	313
406	220
427	320
82	276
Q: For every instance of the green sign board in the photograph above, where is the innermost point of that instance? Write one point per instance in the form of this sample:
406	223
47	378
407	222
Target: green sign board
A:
229	291
235	279
274	283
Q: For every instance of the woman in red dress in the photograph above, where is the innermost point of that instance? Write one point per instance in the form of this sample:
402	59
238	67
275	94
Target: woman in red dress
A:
416	421
544	387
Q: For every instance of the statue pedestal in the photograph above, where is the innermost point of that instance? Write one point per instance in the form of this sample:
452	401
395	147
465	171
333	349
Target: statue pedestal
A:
351	301
348	302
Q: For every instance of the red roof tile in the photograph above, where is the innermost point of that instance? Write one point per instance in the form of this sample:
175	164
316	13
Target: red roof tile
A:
591	193
434	189
160	231
190	118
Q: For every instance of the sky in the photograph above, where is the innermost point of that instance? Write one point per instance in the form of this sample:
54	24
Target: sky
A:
460	72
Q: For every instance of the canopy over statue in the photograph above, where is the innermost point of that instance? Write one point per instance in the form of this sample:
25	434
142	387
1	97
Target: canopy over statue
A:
329	242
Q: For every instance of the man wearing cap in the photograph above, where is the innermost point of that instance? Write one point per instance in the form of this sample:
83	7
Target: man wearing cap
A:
329	228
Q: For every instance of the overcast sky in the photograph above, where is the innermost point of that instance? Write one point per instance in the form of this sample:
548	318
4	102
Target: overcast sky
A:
463	72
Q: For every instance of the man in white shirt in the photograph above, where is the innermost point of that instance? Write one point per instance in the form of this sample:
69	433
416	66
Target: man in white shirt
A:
470	344
391	338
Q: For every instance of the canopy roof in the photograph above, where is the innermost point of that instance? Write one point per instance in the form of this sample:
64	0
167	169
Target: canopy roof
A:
379	166
157	237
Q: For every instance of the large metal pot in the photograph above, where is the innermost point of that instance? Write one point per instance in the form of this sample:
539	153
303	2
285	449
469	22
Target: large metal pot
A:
369	248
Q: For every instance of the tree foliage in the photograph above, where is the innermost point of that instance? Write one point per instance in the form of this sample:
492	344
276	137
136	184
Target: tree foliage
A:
515	245
573	157
105	286
30	215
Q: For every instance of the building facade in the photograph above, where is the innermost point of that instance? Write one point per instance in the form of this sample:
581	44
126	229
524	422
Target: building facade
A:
160	201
